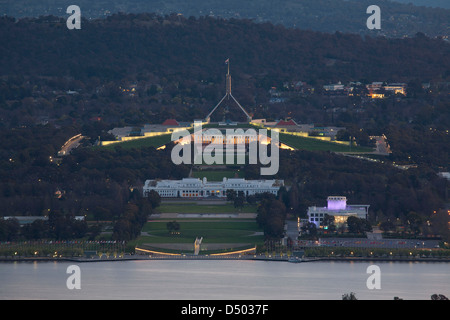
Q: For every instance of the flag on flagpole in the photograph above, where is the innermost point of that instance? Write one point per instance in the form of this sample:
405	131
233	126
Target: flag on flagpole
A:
227	61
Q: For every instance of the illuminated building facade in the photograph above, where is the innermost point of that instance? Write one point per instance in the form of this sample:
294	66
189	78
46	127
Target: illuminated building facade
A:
197	188
338	208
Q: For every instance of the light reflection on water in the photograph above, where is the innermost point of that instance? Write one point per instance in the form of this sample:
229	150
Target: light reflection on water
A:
237	280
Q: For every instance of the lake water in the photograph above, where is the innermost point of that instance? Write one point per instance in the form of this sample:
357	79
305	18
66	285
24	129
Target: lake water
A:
224	280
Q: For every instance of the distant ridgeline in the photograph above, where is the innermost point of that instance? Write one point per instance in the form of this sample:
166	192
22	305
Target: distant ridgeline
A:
398	19
445	4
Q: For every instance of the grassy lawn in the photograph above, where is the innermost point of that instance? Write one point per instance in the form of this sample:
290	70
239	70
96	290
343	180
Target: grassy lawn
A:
156	142
311	144
194	208
212	231
296	142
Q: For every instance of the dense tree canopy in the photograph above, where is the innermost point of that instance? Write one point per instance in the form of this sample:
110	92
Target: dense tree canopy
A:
121	45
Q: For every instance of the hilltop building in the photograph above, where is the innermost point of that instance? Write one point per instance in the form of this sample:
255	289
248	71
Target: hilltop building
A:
338	208
289	126
396	88
197	188
377	90
334	87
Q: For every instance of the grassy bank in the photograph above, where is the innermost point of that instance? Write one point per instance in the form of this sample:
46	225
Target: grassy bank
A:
212	231
155	142
311	144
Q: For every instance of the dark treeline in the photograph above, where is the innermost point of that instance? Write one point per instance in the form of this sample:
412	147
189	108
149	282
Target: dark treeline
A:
60	226
271	216
57	227
193	48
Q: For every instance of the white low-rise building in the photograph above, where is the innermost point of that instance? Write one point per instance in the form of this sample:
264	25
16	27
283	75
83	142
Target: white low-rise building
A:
197	188
338	208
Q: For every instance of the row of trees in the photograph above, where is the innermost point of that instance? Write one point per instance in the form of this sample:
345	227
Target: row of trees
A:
130	223
353	225
271	216
57	227
239	198
434	296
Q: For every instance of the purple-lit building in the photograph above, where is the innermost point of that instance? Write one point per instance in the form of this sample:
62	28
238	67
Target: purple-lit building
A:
338	208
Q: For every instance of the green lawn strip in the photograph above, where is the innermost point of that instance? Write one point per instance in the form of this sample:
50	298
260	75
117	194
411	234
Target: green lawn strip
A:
156	142
250	226
211	231
194	208
311	144
209	236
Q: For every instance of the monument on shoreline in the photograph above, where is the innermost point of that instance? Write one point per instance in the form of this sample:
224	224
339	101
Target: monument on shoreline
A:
197	244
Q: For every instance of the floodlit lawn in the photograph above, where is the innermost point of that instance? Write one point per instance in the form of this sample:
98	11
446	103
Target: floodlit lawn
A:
194	208
312	144
156	142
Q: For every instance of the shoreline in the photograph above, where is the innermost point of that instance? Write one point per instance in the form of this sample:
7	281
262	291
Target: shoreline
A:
250	258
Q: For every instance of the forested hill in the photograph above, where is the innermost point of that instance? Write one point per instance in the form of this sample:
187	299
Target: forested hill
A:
122	46
398	19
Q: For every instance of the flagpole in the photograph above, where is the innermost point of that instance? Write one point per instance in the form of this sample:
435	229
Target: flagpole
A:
228	79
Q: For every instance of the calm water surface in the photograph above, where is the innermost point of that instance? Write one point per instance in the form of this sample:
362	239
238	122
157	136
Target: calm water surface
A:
252	280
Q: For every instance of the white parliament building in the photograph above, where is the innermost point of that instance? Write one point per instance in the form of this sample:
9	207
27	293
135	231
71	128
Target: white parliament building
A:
197	188
338	208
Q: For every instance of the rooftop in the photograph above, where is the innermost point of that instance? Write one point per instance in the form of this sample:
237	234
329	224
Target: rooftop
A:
170	122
